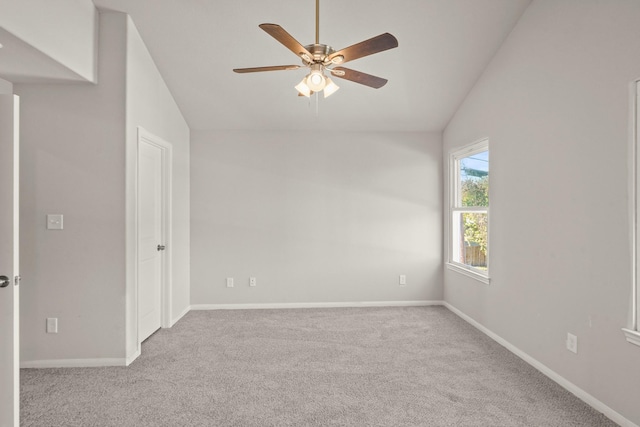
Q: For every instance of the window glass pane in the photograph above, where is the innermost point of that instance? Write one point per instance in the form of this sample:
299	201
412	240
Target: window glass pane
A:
470	239
474	180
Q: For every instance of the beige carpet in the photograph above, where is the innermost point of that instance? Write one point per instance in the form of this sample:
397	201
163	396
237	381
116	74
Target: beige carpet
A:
419	366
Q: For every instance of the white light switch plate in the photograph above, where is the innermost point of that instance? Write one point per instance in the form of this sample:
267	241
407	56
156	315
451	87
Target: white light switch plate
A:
54	222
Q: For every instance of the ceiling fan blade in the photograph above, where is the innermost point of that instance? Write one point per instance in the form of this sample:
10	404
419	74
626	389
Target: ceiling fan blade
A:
368	47
359	77
278	33
271	68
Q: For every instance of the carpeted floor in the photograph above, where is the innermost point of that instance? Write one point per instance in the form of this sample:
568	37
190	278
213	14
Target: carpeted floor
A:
418	366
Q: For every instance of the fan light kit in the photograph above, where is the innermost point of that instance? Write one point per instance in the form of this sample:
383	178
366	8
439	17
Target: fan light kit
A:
320	58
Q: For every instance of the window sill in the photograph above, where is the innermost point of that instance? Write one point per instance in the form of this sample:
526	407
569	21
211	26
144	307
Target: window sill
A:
469	273
632	336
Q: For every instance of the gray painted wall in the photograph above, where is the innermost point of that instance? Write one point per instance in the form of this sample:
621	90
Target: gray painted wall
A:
6	87
332	217
149	104
72	163
74	147
555	104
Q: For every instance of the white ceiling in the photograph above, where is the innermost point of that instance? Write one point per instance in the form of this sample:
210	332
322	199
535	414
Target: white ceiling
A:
444	45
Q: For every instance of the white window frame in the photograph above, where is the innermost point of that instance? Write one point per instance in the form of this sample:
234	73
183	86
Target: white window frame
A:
453	185
632	333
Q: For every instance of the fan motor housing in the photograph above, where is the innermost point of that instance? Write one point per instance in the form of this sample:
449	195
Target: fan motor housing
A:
319	52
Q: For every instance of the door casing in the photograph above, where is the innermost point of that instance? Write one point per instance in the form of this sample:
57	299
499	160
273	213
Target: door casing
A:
133	347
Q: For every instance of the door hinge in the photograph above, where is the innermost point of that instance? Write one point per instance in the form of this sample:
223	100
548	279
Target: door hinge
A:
16	280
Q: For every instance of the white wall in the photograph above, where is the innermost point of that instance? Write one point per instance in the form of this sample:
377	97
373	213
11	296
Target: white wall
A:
332	217
65	30
150	104
76	140
73	163
555	104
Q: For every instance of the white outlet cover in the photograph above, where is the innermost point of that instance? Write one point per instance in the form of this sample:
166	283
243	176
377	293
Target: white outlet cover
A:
229	282
253	281
55	222
572	343
52	325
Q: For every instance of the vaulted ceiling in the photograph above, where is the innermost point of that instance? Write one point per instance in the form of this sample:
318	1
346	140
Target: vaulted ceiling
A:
444	46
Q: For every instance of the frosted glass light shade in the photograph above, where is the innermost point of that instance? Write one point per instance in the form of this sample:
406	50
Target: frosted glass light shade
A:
330	88
303	89
316	81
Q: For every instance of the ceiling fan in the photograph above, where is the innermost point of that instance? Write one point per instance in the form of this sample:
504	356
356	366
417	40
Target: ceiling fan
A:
319	58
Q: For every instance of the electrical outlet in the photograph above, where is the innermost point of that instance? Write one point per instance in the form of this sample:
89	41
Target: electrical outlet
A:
52	325
253	281
403	280
572	343
55	222
229	282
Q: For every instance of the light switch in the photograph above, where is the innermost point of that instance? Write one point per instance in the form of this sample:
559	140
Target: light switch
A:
54	222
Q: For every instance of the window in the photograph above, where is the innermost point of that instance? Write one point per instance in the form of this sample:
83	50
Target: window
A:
469	210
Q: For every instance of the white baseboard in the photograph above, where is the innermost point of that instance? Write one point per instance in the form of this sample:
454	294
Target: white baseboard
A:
266	306
129	360
92	363
580	393
74	363
180	316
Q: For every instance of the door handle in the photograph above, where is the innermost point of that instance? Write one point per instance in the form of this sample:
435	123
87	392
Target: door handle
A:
161	247
4	281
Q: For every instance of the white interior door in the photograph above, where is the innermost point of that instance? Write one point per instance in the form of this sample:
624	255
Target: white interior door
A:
9	262
150	239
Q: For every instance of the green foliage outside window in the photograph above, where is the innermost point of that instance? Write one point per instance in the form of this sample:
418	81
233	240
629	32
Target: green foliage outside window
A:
475	192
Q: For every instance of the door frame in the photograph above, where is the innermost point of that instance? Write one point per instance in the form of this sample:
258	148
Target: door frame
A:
632	332
13	272
133	343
